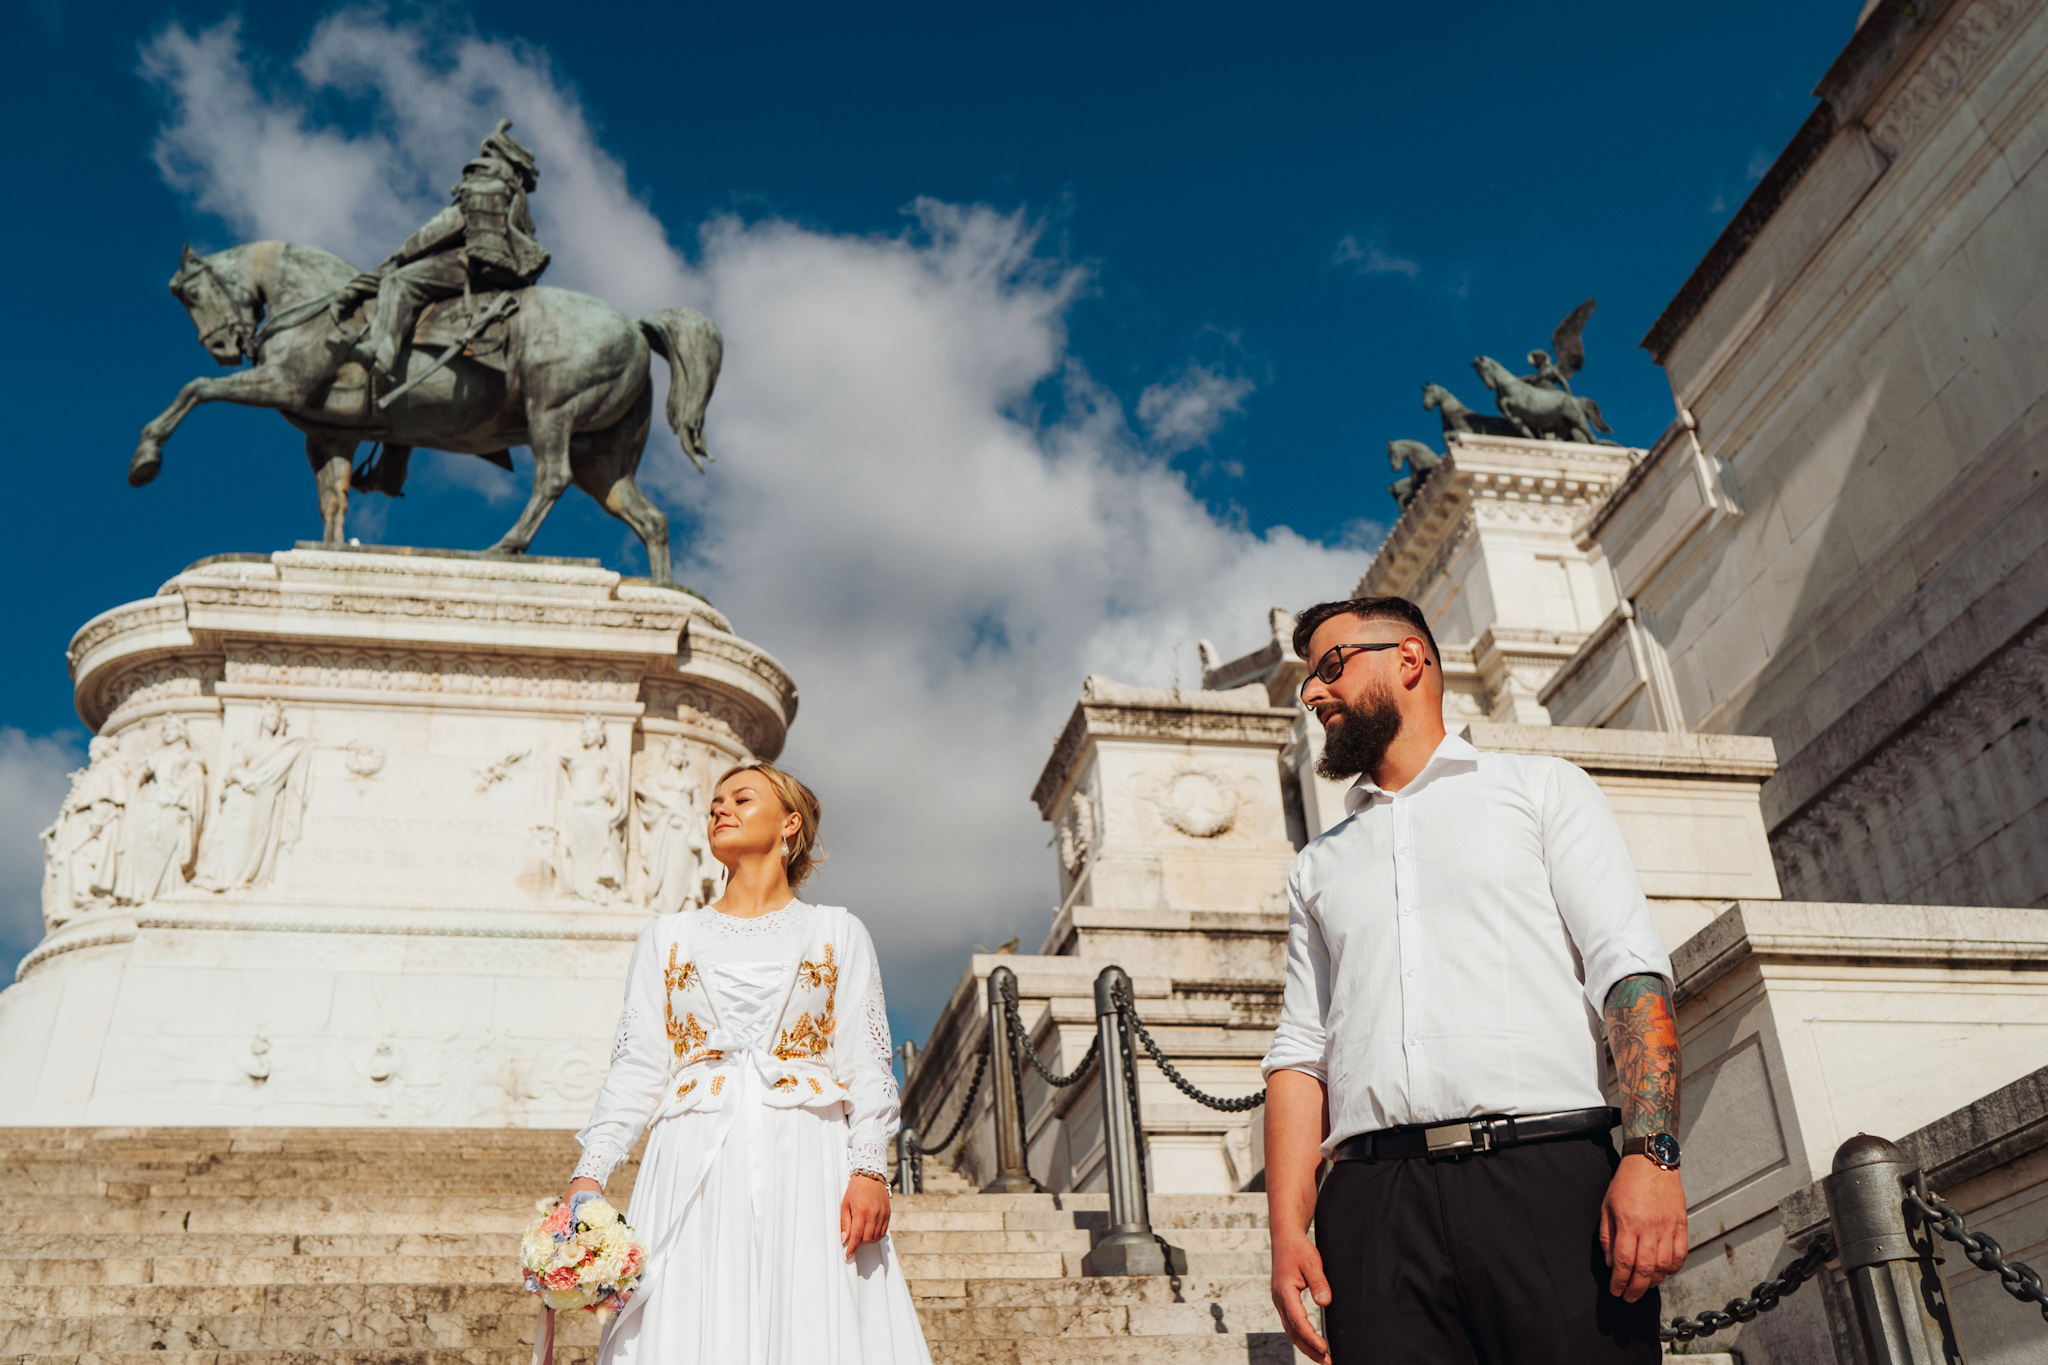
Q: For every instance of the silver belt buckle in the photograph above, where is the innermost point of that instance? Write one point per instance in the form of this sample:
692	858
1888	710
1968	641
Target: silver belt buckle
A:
1457	1139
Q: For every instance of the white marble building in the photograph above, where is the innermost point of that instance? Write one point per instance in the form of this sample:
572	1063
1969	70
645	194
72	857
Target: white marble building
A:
367	837
1842	542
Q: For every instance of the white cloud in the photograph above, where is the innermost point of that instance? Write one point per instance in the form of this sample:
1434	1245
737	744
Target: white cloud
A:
1186	412
1760	163
890	514
1370	258
34	773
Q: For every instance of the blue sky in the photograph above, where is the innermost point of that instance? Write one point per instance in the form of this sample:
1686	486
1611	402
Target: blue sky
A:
1179	270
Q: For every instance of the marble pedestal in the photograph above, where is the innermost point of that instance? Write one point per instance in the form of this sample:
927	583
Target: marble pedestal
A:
368	836
1173	845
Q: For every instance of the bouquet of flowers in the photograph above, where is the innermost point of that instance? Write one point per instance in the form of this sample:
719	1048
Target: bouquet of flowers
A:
581	1254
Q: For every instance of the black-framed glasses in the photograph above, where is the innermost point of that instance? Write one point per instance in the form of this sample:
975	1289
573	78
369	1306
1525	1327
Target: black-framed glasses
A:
1330	667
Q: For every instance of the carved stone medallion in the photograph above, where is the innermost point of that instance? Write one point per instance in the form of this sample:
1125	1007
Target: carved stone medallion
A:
1198	803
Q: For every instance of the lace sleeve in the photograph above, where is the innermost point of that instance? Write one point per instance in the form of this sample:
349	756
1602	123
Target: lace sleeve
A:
862	1055
639	1068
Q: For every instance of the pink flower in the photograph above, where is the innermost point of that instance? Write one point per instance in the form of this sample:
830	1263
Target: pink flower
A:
557	1222
635	1258
561	1277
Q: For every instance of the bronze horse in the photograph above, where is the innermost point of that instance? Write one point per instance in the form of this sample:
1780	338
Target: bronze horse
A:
575	388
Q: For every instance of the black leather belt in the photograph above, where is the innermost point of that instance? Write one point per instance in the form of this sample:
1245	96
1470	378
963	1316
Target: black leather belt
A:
1473	1135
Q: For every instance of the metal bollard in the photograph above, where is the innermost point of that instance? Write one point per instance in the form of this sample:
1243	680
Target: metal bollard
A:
1131	1247
909	1168
1901	1304
1013	1171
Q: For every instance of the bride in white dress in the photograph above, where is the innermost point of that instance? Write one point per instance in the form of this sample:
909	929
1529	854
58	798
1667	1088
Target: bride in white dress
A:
755	1041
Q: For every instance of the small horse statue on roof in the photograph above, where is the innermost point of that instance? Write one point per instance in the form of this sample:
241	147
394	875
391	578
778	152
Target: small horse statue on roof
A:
1418	460
1460	420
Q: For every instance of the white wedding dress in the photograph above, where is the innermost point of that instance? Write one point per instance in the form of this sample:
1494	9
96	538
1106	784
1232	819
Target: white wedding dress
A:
739	1206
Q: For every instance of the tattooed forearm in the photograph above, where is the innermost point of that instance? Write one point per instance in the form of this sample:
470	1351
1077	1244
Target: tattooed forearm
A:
1644	1035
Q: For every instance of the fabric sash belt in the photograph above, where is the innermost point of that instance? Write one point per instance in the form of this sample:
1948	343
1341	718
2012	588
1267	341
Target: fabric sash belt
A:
1467	1136
752	1062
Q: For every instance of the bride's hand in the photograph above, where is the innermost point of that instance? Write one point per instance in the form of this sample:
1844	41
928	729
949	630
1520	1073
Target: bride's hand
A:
579	1185
863	1214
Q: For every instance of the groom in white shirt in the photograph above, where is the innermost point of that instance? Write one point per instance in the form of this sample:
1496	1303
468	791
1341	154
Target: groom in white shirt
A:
1457	949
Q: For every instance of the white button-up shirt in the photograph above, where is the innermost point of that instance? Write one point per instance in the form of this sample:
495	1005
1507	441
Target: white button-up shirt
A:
1450	946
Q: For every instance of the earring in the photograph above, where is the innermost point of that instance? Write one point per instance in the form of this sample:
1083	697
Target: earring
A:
785	850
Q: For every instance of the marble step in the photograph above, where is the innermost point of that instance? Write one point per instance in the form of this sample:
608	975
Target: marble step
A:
974	1265
261	1216
1232	1348
910	1240
490	1268
1092	1291
372	1330
476	1355
971	1265
102	1242
1104	1320
941	1218
437	1300
337	1300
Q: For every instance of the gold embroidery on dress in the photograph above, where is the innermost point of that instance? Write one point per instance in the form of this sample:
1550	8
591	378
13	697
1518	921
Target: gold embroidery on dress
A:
807	1039
677	979
811	1037
691	1035
717	1084
817	974
786	1083
685	1088
815	1086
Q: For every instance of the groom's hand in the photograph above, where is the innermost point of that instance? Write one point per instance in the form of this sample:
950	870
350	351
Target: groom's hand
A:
863	1213
1642	1227
1298	1267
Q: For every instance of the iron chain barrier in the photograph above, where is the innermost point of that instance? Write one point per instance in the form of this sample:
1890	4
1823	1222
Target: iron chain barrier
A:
1129	1009
1015	1020
1874	1200
910	1152
2017	1278
1762	1299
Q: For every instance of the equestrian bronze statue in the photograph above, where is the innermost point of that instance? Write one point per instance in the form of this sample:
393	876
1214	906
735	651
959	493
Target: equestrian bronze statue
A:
461	352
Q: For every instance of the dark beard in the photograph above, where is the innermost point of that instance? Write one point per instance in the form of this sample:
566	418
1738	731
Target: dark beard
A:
1359	744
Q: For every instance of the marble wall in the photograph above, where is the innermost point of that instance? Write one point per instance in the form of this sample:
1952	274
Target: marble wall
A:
1843	541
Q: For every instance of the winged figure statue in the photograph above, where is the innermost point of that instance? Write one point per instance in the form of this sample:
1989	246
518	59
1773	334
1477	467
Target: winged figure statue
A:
1567	340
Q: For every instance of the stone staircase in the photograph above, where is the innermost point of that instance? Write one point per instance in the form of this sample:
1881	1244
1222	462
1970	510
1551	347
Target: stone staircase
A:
305	1247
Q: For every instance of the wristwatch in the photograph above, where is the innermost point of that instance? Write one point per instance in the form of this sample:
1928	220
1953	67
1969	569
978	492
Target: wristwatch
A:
1661	1148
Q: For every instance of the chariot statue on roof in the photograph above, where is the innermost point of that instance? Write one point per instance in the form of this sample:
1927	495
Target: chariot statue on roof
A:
484	240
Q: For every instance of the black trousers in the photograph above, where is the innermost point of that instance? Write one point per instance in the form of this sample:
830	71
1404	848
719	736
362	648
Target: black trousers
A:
1485	1260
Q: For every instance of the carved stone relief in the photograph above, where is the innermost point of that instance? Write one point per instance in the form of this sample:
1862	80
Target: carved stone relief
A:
1077	833
426	671
81	849
1938	77
708	708
261	806
1197	802
163	680
668	800
589	845
161	825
